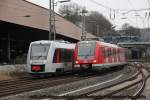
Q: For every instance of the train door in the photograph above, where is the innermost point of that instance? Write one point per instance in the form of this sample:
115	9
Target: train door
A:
103	57
109	55
118	55
67	59
122	55
106	55
115	56
57	56
57	63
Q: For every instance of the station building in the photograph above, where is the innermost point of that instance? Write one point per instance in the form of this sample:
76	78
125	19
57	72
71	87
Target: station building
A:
22	22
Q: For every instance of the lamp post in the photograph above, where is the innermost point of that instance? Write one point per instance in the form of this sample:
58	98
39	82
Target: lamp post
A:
95	29
52	29
83	37
50	15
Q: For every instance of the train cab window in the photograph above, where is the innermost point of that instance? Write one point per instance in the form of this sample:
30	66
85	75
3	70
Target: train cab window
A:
39	51
86	49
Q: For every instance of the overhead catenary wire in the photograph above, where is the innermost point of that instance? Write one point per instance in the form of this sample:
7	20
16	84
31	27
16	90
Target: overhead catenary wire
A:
148	3
102	5
113	12
137	14
43	13
120	10
29	9
147	15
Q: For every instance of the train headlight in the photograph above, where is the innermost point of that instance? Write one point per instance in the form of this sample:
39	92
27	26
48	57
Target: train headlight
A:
94	61
76	62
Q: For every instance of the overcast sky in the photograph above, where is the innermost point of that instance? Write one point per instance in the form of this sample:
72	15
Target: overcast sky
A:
118	7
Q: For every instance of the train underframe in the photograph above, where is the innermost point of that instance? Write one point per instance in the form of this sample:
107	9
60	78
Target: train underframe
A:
97	67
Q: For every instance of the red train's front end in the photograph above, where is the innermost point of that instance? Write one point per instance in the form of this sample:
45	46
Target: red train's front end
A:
85	54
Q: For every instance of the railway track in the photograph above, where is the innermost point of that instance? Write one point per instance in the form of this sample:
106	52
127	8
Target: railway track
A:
142	81
110	91
24	85
16	86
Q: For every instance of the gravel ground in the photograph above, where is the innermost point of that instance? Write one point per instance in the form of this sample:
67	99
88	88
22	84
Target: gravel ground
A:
130	92
4	76
69	87
11	71
146	91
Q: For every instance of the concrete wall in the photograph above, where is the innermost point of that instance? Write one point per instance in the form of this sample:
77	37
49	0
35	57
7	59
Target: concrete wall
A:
12	71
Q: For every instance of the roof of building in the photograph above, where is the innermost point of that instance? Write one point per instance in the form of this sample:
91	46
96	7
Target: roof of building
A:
28	14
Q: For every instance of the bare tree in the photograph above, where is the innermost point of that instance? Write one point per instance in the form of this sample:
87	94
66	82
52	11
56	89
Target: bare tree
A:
71	12
97	24
130	30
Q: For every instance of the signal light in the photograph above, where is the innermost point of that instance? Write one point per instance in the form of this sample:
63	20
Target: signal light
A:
76	62
94	61
36	68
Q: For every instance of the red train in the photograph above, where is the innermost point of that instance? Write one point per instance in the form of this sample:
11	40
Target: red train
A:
98	55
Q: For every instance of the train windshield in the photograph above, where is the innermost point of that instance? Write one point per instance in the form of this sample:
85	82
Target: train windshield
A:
39	51
86	49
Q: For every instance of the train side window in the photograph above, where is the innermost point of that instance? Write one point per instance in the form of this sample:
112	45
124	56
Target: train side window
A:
107	52
103	52
111	51
66	55
56	57
121	51
118	51
114	51
62	55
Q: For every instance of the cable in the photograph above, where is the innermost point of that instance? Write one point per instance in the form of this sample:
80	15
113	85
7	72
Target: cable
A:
137	14
104	6
148	2
128	10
